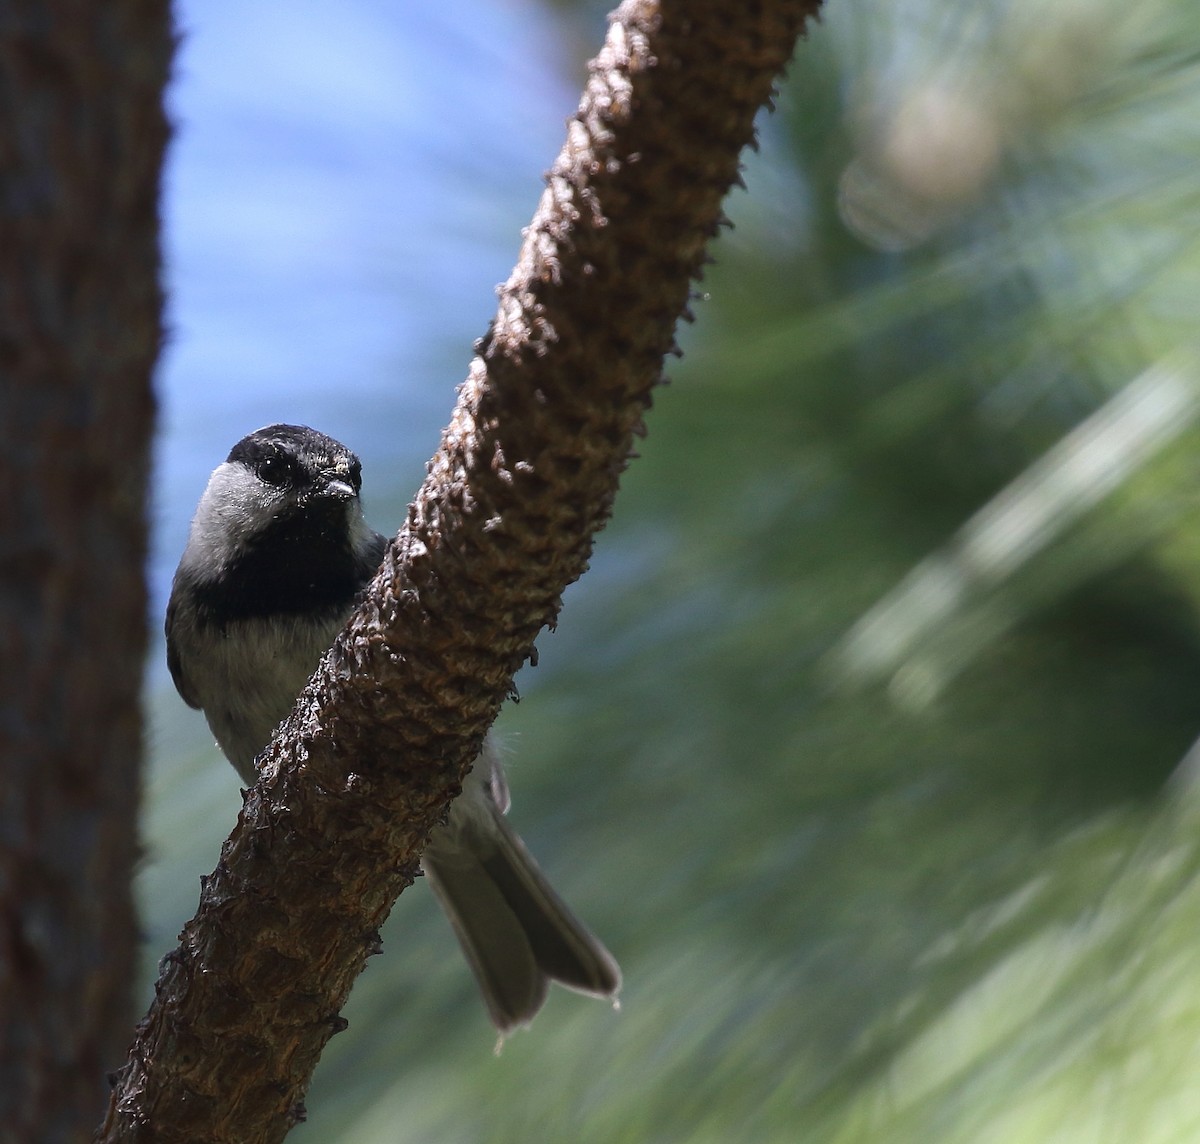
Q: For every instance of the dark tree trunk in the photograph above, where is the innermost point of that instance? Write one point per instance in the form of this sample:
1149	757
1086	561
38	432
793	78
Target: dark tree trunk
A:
82	133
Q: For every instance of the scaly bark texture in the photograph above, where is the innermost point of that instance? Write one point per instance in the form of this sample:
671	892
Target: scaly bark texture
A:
524	477
82	133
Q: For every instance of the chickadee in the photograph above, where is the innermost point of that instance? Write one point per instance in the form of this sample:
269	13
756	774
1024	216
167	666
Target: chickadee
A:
276	558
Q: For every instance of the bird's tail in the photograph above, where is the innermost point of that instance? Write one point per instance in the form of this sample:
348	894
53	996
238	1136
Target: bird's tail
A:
517	933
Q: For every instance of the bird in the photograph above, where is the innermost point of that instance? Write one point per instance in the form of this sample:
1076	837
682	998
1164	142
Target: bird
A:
277	555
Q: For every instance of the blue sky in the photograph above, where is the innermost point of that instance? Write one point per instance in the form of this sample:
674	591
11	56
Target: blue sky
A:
346	186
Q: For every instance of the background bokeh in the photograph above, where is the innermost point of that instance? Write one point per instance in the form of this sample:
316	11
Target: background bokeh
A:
865	742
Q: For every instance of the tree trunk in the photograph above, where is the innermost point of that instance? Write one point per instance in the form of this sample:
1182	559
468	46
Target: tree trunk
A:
82	133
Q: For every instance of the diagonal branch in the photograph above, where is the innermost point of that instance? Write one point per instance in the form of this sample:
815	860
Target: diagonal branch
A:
524	478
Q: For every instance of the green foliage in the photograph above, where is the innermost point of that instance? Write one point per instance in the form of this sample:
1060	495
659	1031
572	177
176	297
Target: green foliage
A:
863	887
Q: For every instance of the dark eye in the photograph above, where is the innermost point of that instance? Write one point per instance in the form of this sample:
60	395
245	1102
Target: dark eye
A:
275	470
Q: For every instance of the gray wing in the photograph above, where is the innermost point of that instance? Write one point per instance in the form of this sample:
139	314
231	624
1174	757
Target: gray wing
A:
174	663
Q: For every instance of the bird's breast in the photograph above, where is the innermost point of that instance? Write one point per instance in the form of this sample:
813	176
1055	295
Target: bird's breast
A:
247	674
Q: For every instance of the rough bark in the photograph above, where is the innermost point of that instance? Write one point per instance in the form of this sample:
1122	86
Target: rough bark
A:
82	133
524	477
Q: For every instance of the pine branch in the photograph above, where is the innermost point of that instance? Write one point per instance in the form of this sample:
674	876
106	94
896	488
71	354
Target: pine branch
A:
524	478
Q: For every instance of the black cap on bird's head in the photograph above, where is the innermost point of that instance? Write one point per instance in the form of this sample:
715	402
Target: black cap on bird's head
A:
299	459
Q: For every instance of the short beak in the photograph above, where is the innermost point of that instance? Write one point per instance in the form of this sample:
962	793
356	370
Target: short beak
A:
341	490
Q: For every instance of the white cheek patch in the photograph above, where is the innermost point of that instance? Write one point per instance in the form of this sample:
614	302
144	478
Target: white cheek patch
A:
235	505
